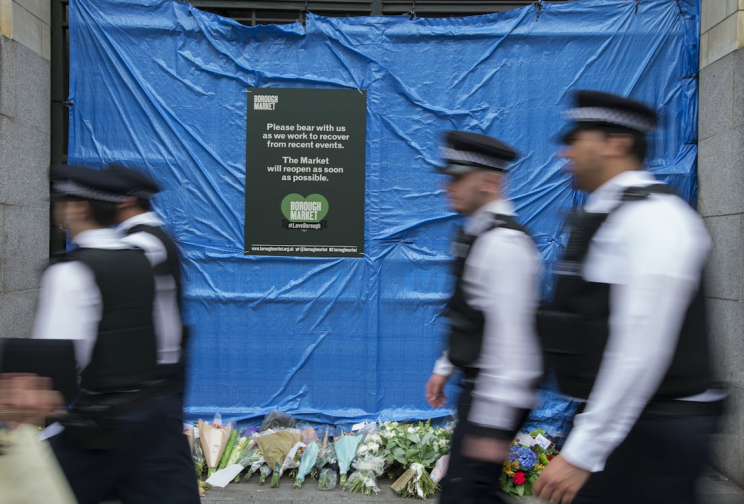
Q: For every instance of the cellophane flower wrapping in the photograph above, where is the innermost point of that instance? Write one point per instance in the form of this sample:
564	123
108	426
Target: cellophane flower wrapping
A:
292	460
364	479
328	478
440	468
255	466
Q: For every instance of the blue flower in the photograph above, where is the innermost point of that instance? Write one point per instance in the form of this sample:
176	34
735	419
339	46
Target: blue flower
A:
524	456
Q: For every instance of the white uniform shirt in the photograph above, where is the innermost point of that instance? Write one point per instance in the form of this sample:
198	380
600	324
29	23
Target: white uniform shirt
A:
167	315
500	279
652	252
70	305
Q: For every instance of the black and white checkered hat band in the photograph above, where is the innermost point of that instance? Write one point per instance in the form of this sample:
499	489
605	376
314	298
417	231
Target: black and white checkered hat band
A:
143	194
473	157
611	116
74	189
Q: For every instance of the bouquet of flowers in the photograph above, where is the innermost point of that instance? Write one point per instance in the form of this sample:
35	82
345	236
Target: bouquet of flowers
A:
528	457
325	465
346	447
369	462
275	448
241	452
214	439
417	449
309	456
328	479
364	479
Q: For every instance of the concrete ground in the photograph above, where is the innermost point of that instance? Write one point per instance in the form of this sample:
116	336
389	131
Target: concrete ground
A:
712	489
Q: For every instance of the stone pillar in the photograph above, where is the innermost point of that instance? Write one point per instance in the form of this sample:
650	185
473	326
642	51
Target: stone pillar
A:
24	159
721	203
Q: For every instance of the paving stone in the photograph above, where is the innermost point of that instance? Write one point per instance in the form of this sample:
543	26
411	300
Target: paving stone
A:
712	489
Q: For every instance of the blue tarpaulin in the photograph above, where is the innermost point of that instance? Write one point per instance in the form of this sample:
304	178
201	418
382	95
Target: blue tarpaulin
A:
160	85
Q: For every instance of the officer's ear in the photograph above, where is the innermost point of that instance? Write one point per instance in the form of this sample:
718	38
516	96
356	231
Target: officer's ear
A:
492	182
127	202
79	211
618	144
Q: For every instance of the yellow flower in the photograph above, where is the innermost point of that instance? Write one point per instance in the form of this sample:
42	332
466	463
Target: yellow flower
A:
515	464
539	467
507	469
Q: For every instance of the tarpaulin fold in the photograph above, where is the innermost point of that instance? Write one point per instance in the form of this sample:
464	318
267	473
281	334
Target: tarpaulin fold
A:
160	85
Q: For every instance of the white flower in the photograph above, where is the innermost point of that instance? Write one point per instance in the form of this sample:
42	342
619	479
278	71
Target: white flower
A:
362	450
411	430
373	447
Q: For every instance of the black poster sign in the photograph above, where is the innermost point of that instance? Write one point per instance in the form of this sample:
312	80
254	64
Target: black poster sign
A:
304	172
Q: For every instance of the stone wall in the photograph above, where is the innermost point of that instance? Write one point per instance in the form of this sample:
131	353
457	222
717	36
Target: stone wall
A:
24	159
721	203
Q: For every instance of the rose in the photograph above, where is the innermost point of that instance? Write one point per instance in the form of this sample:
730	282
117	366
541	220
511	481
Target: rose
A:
519	478
550	457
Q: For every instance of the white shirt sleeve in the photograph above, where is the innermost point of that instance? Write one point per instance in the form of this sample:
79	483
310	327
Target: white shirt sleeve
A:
443	366
501	280
69	308
659	258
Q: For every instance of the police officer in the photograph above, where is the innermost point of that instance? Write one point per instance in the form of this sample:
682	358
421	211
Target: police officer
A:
144	229
118	442
491	316
626	330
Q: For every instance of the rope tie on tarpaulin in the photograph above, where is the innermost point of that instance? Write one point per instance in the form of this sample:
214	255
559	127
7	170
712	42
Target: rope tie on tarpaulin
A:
538	9
412	12
303	16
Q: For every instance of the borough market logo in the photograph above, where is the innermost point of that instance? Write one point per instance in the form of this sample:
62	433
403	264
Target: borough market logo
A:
304	213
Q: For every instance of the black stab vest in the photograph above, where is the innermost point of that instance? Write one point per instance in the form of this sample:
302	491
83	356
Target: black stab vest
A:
124	355
574	327
465	322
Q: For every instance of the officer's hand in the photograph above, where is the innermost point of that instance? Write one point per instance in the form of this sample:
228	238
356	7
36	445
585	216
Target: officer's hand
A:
485	449
560	481
435	395
27	398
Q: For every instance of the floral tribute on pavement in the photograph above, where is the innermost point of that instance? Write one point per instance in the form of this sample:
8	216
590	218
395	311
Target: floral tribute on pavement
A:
414	455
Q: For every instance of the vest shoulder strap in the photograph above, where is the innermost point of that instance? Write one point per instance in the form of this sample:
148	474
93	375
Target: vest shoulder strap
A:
506	222
584	225
172	266
636	193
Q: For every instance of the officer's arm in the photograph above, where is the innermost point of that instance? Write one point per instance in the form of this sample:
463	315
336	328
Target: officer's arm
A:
69	308
664	250
503	274
443	366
